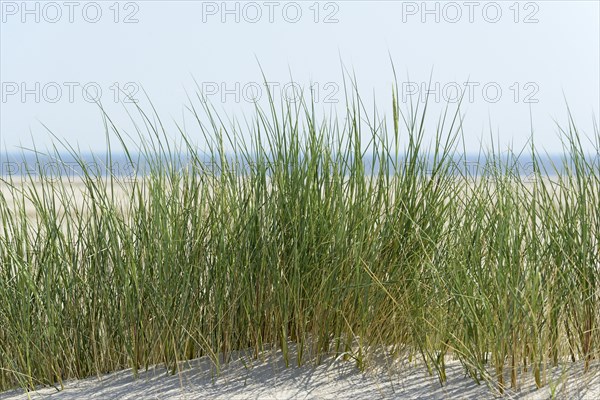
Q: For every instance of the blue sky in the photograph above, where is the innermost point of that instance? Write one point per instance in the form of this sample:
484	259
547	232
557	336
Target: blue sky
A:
519	58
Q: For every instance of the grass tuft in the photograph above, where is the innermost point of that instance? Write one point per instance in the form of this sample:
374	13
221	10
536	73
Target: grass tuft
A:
301	235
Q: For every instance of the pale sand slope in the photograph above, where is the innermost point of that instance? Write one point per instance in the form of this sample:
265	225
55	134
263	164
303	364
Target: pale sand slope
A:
269	379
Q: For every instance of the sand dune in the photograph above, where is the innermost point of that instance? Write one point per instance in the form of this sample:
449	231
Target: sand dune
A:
333	379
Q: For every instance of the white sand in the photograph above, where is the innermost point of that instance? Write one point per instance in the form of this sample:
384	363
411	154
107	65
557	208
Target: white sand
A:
269	379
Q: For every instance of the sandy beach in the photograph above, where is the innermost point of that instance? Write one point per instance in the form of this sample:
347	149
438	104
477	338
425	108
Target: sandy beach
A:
268	378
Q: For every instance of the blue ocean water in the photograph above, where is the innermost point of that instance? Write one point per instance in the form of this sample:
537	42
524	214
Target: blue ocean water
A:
122	165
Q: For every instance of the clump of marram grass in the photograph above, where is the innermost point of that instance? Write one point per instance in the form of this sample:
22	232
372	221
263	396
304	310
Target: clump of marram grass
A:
300	235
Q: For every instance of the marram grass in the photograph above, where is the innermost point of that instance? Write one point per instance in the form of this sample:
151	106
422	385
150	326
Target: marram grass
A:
300	235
